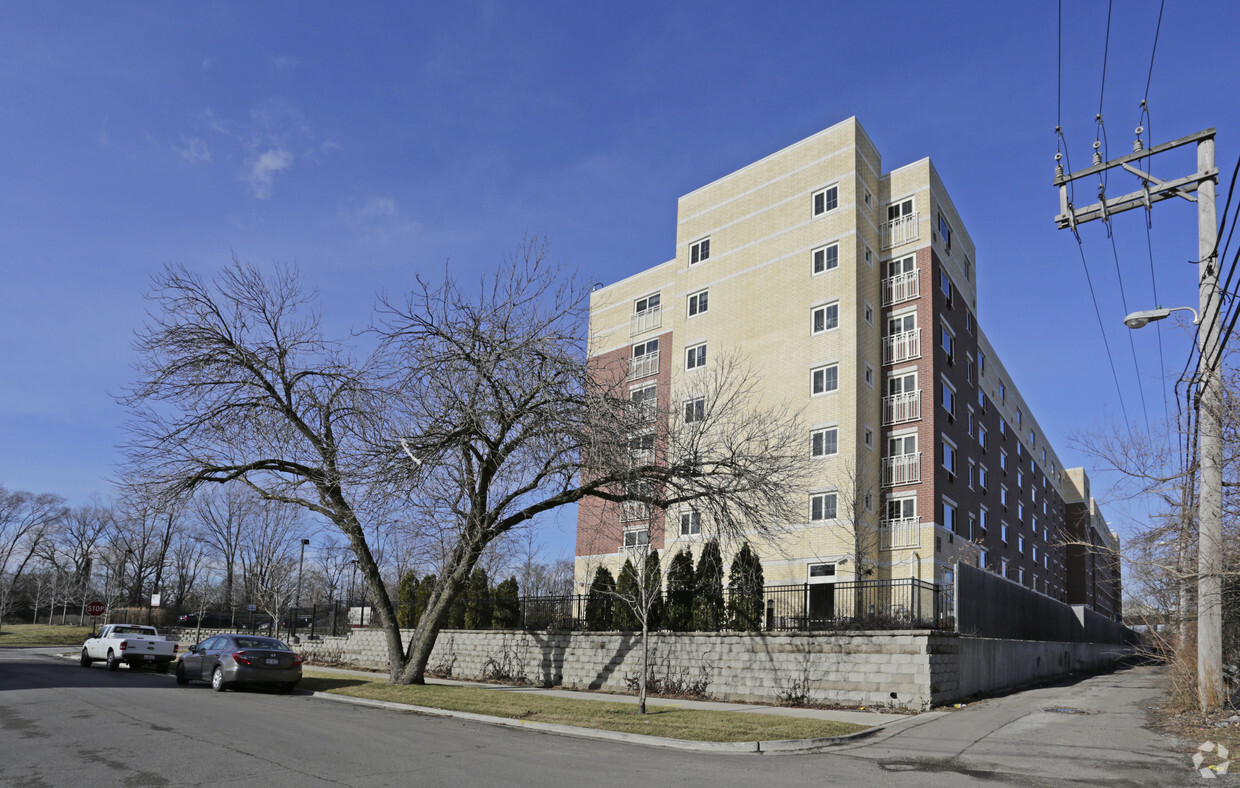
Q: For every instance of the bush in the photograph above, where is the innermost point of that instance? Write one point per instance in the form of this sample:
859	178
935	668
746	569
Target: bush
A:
708	596
478	603
600	601
627	591
507	604
745	582
407	612
678	614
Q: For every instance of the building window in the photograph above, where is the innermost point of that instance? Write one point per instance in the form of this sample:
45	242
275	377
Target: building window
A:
1003	496
1002	460
695	356
690	522
945	284
898	210
824	443
636	537
969	423
972	526
981	437
972	474
697	303
825	258
949	456
827	199
822	507
1020	544
981	477
869	257
1003	564
695	410
643	304
825	318
945	230
901	445
1035	553
1002	427
948	341
1019	415
968	373
869	438
1020	511
1003	531
981	517
1020	480
641	447
1002	392
825	379
949	400
981	364
645	401
949	516
869	376
699	251
869	313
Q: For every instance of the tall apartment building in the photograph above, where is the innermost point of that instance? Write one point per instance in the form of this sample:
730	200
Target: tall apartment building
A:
852	291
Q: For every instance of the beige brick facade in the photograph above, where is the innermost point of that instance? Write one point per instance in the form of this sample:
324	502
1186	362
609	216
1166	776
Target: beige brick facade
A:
851	291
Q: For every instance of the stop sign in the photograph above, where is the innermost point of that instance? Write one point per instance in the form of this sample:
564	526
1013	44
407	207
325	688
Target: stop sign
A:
95	609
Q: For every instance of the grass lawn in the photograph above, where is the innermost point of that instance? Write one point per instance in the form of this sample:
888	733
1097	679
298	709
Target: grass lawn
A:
666	721
42	635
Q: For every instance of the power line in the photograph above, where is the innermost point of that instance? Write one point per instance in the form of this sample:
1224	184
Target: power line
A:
1131	342
1105	343
1153	49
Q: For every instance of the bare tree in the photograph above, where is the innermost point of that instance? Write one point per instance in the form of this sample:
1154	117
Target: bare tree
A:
509	419
26	520
239	385
482	408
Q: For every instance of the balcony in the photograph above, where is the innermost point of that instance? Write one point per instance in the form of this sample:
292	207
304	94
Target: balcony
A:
902	469
901	287
646	320
634	511
899	534
902	347
644	365
899	408
900	231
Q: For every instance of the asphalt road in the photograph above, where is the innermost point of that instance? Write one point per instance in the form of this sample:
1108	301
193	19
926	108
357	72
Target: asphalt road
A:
62	725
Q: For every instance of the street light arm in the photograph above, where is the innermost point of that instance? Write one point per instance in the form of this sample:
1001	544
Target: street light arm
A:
1144	317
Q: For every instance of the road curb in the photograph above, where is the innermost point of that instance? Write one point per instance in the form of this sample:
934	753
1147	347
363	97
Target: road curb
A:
785	746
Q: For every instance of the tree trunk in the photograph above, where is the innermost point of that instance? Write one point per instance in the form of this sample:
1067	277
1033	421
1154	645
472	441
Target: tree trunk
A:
641	683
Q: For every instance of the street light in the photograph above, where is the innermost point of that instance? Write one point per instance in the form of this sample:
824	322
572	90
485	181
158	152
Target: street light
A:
1146	316
1210	496
292	626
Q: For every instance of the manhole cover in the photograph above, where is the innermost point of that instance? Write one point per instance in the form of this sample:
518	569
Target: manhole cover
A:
1065	710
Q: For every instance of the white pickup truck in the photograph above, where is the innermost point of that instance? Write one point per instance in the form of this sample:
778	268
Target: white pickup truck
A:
133	644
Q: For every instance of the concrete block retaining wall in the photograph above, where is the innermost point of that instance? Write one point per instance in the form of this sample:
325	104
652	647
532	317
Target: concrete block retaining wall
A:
904	669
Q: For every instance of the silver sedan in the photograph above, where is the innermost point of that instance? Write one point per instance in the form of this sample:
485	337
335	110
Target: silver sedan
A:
229	660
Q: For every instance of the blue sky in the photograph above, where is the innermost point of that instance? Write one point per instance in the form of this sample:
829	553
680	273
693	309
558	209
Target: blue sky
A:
371	142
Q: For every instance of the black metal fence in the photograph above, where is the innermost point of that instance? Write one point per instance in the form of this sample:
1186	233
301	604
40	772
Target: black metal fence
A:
866	604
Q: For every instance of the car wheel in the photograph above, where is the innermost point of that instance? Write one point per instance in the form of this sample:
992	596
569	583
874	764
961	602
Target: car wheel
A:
217	680
86	660
182	679
113	662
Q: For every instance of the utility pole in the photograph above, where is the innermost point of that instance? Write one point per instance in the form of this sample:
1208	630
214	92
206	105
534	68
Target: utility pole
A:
1199	188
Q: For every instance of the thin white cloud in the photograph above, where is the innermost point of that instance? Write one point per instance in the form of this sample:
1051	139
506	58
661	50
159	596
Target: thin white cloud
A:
104	138
376	220
284	62
194	150
261	171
